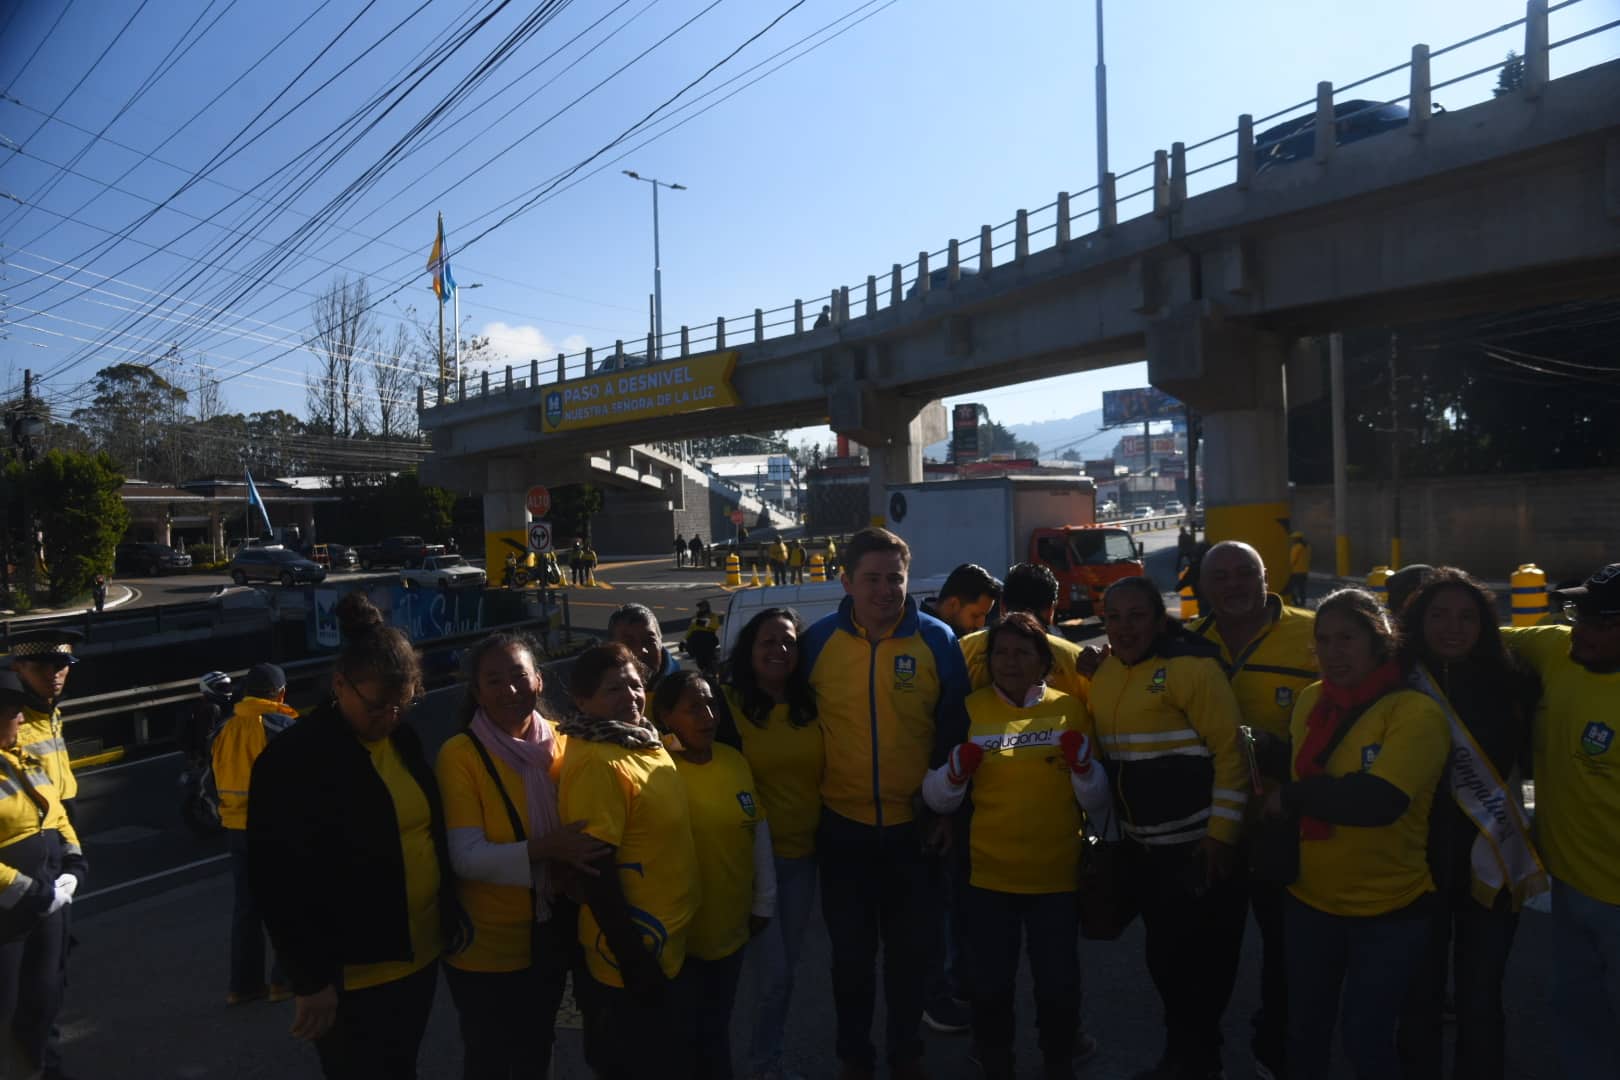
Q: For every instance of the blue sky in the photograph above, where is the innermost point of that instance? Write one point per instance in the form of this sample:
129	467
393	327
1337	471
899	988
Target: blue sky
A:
918	124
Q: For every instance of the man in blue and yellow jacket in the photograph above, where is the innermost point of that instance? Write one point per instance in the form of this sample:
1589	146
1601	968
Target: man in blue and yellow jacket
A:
889	683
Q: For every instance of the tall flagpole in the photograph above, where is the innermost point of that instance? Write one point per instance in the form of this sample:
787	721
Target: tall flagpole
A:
455	332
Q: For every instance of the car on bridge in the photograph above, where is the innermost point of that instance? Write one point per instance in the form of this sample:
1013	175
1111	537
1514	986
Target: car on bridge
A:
1295	140
152	560
274	564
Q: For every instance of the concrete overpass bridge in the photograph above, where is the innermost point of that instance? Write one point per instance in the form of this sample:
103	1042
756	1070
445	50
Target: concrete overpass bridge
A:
1509	203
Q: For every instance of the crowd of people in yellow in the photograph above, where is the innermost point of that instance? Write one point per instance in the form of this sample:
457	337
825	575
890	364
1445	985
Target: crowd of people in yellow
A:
1350	774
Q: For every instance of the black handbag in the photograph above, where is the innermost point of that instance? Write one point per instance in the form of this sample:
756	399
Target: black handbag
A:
536	934
1106	896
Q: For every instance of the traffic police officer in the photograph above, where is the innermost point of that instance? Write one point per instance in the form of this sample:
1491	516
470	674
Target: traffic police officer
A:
41	869
42	660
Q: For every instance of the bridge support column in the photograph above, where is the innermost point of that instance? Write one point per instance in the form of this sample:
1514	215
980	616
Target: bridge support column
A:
1231	374
506	516
893	428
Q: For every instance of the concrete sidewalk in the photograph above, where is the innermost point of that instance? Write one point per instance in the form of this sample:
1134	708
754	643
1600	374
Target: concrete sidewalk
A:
148	987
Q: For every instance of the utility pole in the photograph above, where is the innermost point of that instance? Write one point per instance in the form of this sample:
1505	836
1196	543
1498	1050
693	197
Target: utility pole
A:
1394	458
1341	497
1102	103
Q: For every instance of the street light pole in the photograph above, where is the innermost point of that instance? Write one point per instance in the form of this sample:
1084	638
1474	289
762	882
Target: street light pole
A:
658	265
455	295
1102	102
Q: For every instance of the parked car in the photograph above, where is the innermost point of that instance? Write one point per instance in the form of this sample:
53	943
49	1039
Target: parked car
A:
1144	512
150	559
1174	508
397	551
274	564
332	556
445	572
1295	140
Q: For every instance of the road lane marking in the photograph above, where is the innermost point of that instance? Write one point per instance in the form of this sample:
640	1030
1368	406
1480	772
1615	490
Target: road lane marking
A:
153	877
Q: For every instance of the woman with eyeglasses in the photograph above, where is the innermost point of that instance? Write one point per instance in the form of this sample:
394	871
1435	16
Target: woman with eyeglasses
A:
511	853
349	860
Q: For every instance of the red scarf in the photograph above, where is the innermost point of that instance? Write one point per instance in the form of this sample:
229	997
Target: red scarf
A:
1332	707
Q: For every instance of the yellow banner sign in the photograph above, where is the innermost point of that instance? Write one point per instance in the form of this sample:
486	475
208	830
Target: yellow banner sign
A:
664	389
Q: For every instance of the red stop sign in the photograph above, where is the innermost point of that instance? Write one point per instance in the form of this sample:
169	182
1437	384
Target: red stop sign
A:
539	501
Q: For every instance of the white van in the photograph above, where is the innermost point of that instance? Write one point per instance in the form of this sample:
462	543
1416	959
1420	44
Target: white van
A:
810	601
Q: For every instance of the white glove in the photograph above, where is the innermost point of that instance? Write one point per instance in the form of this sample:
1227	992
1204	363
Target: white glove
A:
66	886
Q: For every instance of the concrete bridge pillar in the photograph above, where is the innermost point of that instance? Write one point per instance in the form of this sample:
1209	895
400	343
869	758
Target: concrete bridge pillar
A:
893	428
1232	375
506	515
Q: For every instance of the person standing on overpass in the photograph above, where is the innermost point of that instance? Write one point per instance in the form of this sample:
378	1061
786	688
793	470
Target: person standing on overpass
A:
1267	652
1578	814
889	684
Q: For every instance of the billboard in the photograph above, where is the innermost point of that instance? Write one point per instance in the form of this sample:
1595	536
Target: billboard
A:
1139	404
1131	445
965	431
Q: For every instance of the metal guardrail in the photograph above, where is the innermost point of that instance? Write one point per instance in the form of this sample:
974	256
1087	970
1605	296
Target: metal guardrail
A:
1163	190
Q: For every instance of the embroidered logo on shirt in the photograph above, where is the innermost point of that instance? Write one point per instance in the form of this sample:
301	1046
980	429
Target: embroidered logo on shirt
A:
1597	738
905	672
745	799
1156	685
1285	698
1369	754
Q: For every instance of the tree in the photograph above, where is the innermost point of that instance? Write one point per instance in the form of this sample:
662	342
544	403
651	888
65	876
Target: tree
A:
1071	454
399	504
275	441
346	334
135	416
1510	77
74	500
391	382
758	442
994	438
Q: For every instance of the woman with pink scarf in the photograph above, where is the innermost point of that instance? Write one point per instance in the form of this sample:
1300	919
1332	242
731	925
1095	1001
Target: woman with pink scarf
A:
511	855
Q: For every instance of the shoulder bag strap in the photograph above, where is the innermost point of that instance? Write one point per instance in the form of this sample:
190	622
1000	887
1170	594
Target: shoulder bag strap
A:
506	800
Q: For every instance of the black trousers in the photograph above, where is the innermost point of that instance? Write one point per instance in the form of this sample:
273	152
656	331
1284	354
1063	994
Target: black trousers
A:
1270	1040
1047	927
378	1033
878	887
508	1019
1194	940
1471	943
32	973
714	984
628	1040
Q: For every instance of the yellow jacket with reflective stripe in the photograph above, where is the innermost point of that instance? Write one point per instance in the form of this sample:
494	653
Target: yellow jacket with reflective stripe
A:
240	741
37	842
1167	729
1268	675
40	736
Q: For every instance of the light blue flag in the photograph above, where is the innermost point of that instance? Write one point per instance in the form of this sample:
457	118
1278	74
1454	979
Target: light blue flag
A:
255	500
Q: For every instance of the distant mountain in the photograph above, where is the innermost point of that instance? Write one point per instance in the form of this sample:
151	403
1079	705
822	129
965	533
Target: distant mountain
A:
1055	436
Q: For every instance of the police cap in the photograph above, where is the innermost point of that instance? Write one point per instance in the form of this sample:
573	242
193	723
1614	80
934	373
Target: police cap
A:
49	644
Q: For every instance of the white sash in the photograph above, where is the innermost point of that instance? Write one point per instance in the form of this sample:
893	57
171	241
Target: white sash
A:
1502	855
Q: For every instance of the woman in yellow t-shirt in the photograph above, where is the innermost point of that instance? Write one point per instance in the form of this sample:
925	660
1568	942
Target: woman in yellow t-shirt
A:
768	711
1028	760
620	781
1367	754
349	862
510	852
733	842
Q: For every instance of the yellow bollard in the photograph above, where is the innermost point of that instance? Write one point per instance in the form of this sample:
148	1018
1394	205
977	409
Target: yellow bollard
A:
733	571
1189	604
1378	584
1529	588
818	569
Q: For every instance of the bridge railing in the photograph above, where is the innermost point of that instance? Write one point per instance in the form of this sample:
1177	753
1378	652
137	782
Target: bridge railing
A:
1157	187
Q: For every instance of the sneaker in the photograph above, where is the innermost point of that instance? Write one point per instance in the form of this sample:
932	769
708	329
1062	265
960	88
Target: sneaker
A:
245	996
948	1016
279	992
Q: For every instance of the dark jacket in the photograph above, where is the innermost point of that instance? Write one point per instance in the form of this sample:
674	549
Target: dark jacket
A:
1496	709
324	855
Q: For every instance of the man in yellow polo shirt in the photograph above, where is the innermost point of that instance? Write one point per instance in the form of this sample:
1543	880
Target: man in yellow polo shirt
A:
1578	814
